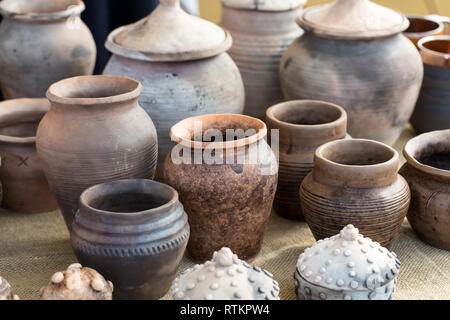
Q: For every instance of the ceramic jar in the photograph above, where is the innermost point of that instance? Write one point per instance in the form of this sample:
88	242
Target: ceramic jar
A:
134	232
303	126
226	175
6	292
355	182
25	187
261	31
428	173
94	132
421	27
353	54
42	42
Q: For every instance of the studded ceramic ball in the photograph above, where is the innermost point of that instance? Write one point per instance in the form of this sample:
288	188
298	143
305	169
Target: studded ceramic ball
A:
6	291
347	266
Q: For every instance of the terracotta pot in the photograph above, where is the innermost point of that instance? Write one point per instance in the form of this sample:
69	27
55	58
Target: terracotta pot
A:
134	232
227	188
26	189
355	182
95	132
421	27
428	173
369	68
303	126
41	42
260	36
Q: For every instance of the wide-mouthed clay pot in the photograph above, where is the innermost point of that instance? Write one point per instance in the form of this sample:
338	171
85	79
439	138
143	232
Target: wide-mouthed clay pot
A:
25	187
428	173
421	27
354	55
134	232
303	126
226	175
41	42
95	132
261	31
355	182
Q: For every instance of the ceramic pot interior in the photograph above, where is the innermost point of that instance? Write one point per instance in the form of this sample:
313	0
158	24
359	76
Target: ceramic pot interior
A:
439	45
307	113
434	153
24	125
38	6
422	25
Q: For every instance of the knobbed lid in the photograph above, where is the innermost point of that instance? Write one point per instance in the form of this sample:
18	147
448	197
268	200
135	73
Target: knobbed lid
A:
264	5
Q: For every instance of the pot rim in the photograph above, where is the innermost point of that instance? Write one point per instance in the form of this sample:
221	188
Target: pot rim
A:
73	10
300	4
439	29
421	45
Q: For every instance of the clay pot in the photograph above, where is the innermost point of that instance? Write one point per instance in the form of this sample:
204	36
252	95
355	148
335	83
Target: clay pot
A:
226	187
355	182
134	232
428	173
303	126
26	189
354	55
95	132
421	27
261	34
41	42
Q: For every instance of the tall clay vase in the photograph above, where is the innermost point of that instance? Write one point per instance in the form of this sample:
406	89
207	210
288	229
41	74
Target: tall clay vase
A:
427	171
133	232
355	182
95	132
303	126
227	188
41	42
25	187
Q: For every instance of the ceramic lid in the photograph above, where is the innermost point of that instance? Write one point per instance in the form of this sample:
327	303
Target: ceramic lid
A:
352	19
169	34
265	5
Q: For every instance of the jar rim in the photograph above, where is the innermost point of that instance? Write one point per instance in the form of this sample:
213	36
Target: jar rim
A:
439	27
74	9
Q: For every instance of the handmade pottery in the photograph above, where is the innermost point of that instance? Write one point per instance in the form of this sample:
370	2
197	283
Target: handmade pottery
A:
94	132
261	30
225	277
6	291
355	182
353	54
346	266
428	173
135	233
303	126
421	27
226	175
26	189
41	42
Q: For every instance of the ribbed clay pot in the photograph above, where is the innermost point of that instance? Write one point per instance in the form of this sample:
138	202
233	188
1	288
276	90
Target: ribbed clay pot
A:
227	188
421	27
95	132
355	182
25	187
303	126
41	42
428	173
134	232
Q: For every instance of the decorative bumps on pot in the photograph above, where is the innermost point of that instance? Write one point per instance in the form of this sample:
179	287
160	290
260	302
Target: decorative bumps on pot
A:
225	278
346	266
6	291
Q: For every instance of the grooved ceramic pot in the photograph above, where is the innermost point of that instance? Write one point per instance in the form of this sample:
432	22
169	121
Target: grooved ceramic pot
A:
25	187
355	182
134	232
421	27
227	186
428	173
41	42
303	126
95	132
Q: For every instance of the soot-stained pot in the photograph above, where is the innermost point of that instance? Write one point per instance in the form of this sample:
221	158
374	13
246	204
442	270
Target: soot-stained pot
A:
41	42
355	182
94	132
6	291
353	54
421	27
226	182
427	171
135	233
346	266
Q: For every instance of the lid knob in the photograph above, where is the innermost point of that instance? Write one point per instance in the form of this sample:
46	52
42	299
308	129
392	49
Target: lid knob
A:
224	257
169	3
349	233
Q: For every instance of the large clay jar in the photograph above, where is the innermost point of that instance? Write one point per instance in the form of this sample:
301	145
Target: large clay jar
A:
95	132
303	126
355	182
353	54
261	31
181	62
134	232
428	173
226	186
41	42
25	187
